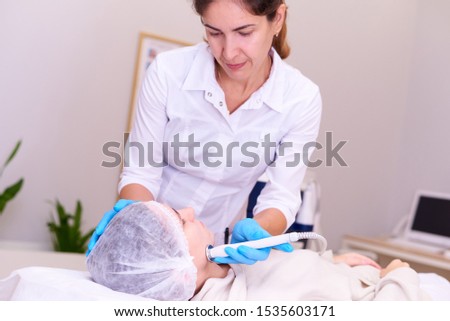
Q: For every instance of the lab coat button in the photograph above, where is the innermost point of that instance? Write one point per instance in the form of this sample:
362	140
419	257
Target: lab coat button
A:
221	104
209	94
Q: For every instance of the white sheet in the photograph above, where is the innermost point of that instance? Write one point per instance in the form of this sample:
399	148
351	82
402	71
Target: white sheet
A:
54	284
436	286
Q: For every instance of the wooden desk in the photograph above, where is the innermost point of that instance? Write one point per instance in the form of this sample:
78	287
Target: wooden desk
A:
420	260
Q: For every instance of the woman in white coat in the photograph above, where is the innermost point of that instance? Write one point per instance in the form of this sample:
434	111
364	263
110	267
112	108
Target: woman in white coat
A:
212	118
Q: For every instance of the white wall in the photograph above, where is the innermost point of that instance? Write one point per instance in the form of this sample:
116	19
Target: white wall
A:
65	80
359	52
66	70
424	153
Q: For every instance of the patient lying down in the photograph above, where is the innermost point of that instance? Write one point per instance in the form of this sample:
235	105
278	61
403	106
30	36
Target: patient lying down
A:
150	250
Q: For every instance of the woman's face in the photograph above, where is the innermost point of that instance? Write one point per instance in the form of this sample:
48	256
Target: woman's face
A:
197	235
239	40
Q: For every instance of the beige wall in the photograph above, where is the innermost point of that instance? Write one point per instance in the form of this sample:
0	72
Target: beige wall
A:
65	80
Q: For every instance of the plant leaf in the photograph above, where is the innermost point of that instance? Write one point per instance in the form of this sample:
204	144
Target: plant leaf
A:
13	153
2	205
9	193
85	238
77	216
63	217
66	234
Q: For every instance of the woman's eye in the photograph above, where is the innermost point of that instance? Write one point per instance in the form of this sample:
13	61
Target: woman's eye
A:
245	34
214	34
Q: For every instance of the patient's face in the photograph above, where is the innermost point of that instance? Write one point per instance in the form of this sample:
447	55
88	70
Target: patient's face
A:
197	235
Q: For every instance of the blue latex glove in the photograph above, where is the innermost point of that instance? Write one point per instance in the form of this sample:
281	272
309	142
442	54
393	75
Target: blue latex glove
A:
249	230
107	217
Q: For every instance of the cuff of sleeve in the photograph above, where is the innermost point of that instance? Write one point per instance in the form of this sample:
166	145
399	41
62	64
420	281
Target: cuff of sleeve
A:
404	273
153	188
286	211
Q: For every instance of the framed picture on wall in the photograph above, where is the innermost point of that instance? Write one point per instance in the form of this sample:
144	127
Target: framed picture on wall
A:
150	45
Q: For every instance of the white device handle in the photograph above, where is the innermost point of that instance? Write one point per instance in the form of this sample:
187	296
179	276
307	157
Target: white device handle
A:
219	251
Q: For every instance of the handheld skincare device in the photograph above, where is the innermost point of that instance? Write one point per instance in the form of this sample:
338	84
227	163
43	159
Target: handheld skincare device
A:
219	251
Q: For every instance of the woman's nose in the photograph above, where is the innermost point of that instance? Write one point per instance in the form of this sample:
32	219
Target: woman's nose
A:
229	50
187	214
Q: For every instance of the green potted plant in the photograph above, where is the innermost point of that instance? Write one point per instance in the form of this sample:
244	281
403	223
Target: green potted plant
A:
66	230
11	191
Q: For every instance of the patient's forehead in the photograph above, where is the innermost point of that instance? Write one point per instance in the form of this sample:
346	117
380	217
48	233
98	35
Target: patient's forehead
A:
167	214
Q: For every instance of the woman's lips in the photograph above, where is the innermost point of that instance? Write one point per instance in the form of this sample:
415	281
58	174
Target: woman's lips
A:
235	66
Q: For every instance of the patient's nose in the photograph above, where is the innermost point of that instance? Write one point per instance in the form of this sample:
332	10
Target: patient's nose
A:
187	214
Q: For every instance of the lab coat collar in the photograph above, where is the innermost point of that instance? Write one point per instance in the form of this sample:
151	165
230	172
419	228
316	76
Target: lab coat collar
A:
201	76
272	90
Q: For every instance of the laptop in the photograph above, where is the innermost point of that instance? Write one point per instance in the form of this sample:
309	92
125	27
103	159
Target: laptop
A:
428	224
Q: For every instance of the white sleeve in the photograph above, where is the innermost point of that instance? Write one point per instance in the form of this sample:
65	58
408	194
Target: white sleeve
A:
143	154
286	174
400	284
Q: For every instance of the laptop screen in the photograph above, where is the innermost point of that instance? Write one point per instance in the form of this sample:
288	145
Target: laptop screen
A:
429	219
432	216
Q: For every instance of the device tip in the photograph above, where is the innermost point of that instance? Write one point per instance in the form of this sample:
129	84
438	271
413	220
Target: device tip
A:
208	253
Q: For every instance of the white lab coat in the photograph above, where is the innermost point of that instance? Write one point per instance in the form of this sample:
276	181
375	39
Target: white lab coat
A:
180	100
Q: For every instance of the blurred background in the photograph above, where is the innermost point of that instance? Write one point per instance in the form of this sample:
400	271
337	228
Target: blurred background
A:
66	75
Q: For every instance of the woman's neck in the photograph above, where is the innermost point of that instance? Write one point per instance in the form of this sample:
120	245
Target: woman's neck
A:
238	92
210	271
247	86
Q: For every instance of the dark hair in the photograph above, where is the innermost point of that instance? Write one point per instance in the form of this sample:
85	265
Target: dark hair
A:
266	8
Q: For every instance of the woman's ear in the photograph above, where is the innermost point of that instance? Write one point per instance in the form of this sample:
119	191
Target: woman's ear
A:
280	17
